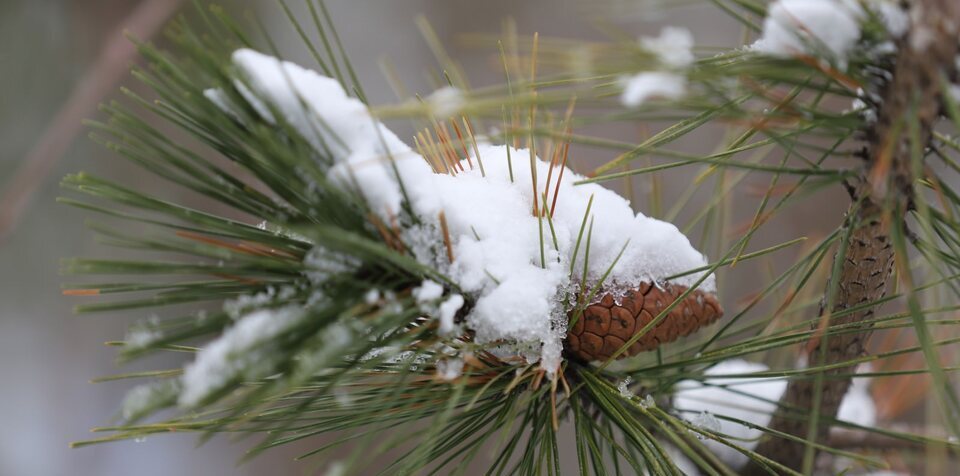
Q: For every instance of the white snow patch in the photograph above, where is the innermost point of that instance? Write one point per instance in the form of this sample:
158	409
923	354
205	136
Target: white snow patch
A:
753	400
371	297
673	47
447	312
234	354
858	406
743	400
642	87
339	127
623	387
894	18
811	27
955	92
427	292
517	282
445	102
449	369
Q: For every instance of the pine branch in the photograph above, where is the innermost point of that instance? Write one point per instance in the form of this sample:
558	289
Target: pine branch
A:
115	56
865	260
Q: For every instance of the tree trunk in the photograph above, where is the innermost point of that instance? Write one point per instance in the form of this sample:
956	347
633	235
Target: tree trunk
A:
883	191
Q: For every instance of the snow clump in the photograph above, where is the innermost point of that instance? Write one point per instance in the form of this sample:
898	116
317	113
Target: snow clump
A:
515	282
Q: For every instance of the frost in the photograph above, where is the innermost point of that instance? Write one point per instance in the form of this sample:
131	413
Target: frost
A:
624	387
447	313
820	28
445	102
642	87
648	401
516	282
707	421
235	354
673	46
449	369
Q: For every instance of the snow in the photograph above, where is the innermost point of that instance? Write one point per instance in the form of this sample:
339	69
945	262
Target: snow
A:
234	355
642	87
753	400
449	369
955	92
743	399
819	28
321	264
673	47
894	18
445	102
858	406
340	128
428	291
372	296
146	397
623	387
494	233
447	312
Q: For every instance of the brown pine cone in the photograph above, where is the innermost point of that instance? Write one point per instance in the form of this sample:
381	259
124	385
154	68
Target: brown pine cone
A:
606	325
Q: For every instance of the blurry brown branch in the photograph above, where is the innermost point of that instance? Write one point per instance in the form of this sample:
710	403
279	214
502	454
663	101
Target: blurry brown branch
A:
99	80
882	192
846	439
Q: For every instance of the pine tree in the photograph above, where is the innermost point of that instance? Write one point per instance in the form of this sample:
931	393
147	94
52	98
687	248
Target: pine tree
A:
464	299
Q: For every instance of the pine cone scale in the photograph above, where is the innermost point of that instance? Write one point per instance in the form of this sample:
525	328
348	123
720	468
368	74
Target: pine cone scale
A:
606	325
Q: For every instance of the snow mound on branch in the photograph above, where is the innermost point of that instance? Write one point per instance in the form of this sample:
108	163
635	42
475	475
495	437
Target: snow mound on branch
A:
516	279
811	27
753	400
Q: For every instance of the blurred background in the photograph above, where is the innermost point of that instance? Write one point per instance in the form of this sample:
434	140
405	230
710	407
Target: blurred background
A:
59	58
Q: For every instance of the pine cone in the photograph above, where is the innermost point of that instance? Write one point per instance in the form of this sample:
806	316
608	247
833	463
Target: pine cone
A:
607	324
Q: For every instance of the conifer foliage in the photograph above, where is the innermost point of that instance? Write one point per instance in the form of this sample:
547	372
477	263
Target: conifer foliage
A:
467	298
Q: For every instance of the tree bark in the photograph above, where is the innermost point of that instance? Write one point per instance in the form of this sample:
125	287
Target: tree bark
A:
926	55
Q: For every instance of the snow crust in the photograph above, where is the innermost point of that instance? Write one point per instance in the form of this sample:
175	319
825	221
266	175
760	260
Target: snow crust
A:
754	400
811	27
494	234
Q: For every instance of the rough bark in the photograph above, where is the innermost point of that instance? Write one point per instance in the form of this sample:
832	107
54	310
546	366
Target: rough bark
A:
884	185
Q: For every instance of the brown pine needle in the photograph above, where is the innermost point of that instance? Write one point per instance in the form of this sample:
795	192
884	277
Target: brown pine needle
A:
446	236
473	141
463	143
81	292
451	152
240	248
553	404
563	166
